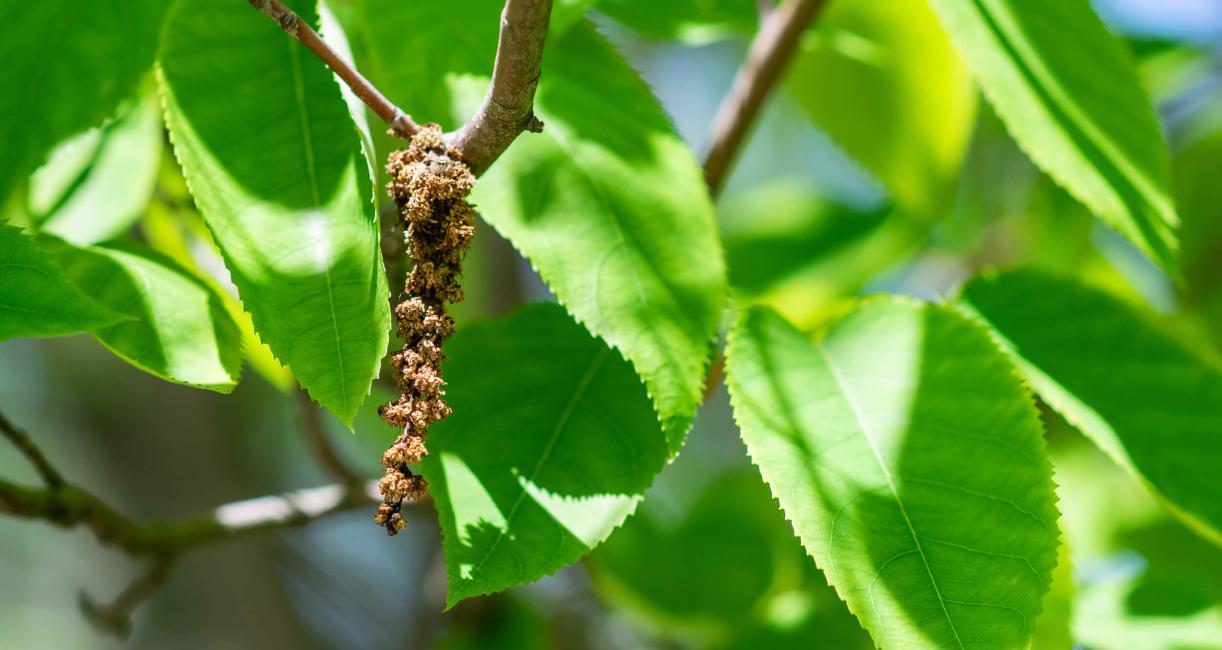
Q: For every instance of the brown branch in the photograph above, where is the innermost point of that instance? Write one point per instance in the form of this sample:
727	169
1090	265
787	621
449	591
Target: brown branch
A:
320	444
508	107
26	446
770	52
68	506
400	123
115	617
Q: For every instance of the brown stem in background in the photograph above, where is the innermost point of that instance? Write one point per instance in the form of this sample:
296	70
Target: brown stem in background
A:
770	52
508	107
320	444
26	446
400	123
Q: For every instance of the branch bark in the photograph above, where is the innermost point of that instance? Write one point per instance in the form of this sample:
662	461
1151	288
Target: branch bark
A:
508	106
400	123
768	56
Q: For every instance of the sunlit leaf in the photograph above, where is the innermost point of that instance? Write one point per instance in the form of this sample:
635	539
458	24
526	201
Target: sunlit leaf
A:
1068	93
114	189
177	327
36	298
911	463
275	164
550	446
1144	397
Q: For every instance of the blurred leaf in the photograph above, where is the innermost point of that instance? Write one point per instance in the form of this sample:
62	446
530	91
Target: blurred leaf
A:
710	569
67	65
794	251
1199	195
883	81
612	210
112	192
691	21
36	298
507	623
275	165
551	445
1149	401
178	329
1052	627
899	446
607	203
1069	95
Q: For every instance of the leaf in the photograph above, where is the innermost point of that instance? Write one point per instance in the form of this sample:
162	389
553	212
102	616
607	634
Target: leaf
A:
550	446
1069	95
36	298
178	328
903	105
274	162
1146	399
111	193
912	464
67	65
612	210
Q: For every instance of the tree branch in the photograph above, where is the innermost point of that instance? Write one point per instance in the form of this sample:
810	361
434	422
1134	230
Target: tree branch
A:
400	123
508	107
68	506
770	52
26	446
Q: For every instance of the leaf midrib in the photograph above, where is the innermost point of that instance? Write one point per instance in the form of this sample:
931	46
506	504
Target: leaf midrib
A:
865	432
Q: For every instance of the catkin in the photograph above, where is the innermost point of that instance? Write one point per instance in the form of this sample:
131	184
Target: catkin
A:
430	187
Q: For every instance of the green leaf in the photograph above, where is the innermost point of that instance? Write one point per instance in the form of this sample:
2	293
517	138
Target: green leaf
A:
67	65
275	164
551	445
883	81
1144	397
36	298
911	462
612	210
178	329
109	196
1069	95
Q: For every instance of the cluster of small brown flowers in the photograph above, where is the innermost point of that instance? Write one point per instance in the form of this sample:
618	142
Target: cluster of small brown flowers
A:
430	189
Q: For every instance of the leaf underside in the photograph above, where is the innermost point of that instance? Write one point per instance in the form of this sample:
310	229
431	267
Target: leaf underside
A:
1068	93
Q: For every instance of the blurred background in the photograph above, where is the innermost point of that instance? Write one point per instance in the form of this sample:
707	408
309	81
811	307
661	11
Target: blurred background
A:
708	560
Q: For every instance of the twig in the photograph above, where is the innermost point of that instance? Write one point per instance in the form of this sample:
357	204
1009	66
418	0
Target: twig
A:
508	107
316	437
115	617
26	446
69	506
770	52
400	123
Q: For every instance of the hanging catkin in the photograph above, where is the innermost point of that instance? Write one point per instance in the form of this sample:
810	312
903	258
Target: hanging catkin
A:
430	189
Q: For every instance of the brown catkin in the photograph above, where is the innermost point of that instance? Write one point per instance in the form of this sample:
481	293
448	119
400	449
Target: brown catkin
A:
430	188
